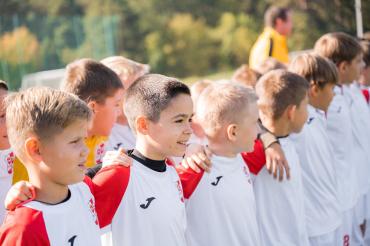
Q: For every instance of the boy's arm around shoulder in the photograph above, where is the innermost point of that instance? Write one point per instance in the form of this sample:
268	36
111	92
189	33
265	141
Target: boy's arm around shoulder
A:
255	160
24	227
189	179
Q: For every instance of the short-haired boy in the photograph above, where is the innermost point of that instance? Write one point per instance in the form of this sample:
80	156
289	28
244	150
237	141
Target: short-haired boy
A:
351	158
323	215
220	205
46	129
282	102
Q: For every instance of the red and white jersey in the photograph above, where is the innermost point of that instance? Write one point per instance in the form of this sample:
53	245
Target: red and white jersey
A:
72	222
139	206
280	205
121	137
360	116
7	158
220	205
320	187
339	127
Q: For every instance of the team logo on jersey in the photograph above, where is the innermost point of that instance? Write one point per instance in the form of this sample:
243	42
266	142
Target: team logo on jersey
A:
93	211
215	183
309	121
100	153
9	160
181	192
148	202
246	172
117	146
72	240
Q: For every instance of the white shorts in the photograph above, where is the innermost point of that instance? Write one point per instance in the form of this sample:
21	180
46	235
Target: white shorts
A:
344	232
328	239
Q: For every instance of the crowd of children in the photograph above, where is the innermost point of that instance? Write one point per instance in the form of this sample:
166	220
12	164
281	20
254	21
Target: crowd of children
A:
200	164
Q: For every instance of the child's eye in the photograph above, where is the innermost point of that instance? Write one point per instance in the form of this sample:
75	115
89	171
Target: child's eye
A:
190	120
179	121
75	141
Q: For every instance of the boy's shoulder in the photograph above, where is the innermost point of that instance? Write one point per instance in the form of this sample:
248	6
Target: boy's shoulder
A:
256	159
24	226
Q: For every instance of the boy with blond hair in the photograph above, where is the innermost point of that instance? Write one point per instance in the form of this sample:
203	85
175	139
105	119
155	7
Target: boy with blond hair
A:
352	158
221	203
282	103
46	129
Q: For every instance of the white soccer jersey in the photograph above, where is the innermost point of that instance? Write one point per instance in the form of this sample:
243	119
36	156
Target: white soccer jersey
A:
7	158
280	205
339	128
120	137
72	222
318	175
139	206
220	205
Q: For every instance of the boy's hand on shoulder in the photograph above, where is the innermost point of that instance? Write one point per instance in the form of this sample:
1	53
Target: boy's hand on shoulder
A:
20	192
197	157
276	162
118	157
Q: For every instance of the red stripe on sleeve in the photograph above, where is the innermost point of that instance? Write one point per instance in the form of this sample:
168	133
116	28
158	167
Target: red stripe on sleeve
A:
255	160
189	180
365	92
109	187
24	227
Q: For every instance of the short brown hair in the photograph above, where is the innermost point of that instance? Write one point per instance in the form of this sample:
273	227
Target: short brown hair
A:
365	44
273	13
246	76
315	69
150	95
198	87
268	65
41	111
91	80
277	90
221	103
338	47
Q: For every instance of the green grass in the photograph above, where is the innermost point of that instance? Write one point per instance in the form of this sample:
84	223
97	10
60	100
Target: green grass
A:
214	76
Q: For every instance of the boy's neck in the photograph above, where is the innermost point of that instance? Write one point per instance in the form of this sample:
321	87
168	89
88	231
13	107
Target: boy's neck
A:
278	127
47	191
148	151
122	120
221	147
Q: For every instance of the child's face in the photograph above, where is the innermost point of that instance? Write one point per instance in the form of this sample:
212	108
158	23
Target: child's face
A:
4	143
321	97
365	76
299	116
354	69
246	131
168	136
64	155
105	114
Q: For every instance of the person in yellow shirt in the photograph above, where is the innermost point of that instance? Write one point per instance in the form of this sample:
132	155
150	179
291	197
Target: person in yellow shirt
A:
102	90
273	41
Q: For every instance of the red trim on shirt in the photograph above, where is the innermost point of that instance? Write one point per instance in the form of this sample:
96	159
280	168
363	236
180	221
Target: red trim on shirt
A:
189	180
24	227
366	94
109	187
255	160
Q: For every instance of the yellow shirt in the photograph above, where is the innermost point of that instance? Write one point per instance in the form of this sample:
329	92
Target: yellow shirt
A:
269	44
96	152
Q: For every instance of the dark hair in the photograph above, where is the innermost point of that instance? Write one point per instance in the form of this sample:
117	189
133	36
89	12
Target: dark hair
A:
150	95
338	47
273	13
3	85
278	89
91	80
316	69
365	44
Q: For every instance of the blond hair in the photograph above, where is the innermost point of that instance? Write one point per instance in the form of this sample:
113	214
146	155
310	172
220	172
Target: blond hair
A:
246	76
221	103
43	112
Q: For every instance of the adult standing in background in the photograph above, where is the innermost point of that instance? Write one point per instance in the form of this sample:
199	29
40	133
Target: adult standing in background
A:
273	41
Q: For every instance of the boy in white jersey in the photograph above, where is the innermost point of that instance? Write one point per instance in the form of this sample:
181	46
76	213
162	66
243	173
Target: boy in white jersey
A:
46	129
148	204
220	205
323	216
364	79
346	53
282	102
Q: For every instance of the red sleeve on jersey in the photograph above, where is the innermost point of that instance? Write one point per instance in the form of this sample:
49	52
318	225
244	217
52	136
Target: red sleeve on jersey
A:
89	183
189	180
24	227
255	160
366	95
109	187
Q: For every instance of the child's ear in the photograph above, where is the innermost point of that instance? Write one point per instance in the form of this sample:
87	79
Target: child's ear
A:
32	149
92	105
231	131
142	125
291	109
342	67
314	90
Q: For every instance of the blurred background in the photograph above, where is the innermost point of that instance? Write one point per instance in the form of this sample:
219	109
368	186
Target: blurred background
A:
187	38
